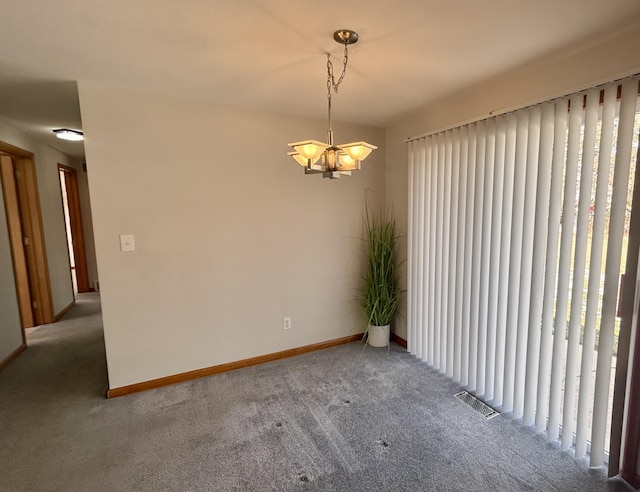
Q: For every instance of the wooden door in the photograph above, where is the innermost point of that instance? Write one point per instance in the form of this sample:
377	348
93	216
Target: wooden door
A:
16	238
22	203
73	221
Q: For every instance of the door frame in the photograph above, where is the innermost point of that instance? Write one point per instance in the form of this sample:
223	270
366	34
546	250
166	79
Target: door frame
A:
22	203
75	226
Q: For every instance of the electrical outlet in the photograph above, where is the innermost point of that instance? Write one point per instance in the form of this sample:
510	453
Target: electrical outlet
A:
286	323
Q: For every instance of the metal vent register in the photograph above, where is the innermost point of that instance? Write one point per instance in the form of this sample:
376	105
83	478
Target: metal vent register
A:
485	410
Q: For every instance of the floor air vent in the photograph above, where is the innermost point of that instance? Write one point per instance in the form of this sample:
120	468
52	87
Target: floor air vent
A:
485	410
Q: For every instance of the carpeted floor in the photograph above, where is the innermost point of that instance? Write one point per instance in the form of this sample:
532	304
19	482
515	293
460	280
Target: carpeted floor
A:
339	419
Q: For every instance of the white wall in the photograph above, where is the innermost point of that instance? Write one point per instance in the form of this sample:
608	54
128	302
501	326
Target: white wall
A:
46	160
231	236
553	76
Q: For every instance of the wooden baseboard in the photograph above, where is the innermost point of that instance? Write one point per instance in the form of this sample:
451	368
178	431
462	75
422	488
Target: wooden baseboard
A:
12	356
399	340
231	366
59	316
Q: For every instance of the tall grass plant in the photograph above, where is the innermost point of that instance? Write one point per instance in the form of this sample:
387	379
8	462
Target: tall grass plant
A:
381	292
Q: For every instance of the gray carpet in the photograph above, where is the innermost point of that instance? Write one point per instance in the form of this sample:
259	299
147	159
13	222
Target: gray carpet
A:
337	419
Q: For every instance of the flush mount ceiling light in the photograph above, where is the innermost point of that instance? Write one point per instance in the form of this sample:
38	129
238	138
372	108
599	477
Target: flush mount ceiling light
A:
72	135
326	158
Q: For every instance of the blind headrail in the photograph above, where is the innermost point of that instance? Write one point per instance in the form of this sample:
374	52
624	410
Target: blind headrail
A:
513	109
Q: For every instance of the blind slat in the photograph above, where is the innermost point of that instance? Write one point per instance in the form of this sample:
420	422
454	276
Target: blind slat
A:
539	243
477	250
444	255
612	268
462	194
595	267
421	286
515	265
579	261
566	243
411	287
505	247
468	257
494	271
487	154
550	275
528	224
439	192
453	255
424	255
433	238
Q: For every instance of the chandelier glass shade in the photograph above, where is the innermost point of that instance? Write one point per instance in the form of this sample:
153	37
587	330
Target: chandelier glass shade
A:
327	158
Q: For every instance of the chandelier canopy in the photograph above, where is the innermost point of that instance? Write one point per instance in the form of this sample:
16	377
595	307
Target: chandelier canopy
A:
327	158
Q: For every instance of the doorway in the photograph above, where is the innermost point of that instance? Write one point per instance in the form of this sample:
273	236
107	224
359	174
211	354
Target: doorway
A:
73	226
24	224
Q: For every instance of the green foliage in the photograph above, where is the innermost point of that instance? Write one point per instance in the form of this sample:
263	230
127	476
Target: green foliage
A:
381	291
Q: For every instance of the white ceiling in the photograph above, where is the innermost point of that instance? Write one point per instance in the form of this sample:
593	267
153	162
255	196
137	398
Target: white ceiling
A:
270	54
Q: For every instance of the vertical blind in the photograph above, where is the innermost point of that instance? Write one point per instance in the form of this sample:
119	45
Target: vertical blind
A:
515	241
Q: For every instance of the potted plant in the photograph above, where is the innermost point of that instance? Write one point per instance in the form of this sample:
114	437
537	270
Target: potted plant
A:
381	290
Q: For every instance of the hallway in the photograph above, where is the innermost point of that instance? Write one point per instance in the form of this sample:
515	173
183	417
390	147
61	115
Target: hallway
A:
63	358
50	389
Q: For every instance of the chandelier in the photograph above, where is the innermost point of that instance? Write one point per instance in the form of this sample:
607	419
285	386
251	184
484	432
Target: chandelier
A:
327	158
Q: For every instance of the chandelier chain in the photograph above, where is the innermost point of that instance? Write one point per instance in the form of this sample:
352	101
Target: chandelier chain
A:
332	84
331	81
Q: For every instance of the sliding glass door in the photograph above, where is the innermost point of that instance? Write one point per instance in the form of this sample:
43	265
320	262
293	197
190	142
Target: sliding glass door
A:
518	237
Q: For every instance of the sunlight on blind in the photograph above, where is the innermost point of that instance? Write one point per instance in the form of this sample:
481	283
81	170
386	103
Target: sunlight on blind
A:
516	237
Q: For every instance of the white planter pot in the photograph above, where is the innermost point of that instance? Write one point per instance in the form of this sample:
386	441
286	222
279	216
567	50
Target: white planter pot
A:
378	336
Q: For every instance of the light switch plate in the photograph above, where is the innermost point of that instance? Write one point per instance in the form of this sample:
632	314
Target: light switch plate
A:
127	242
